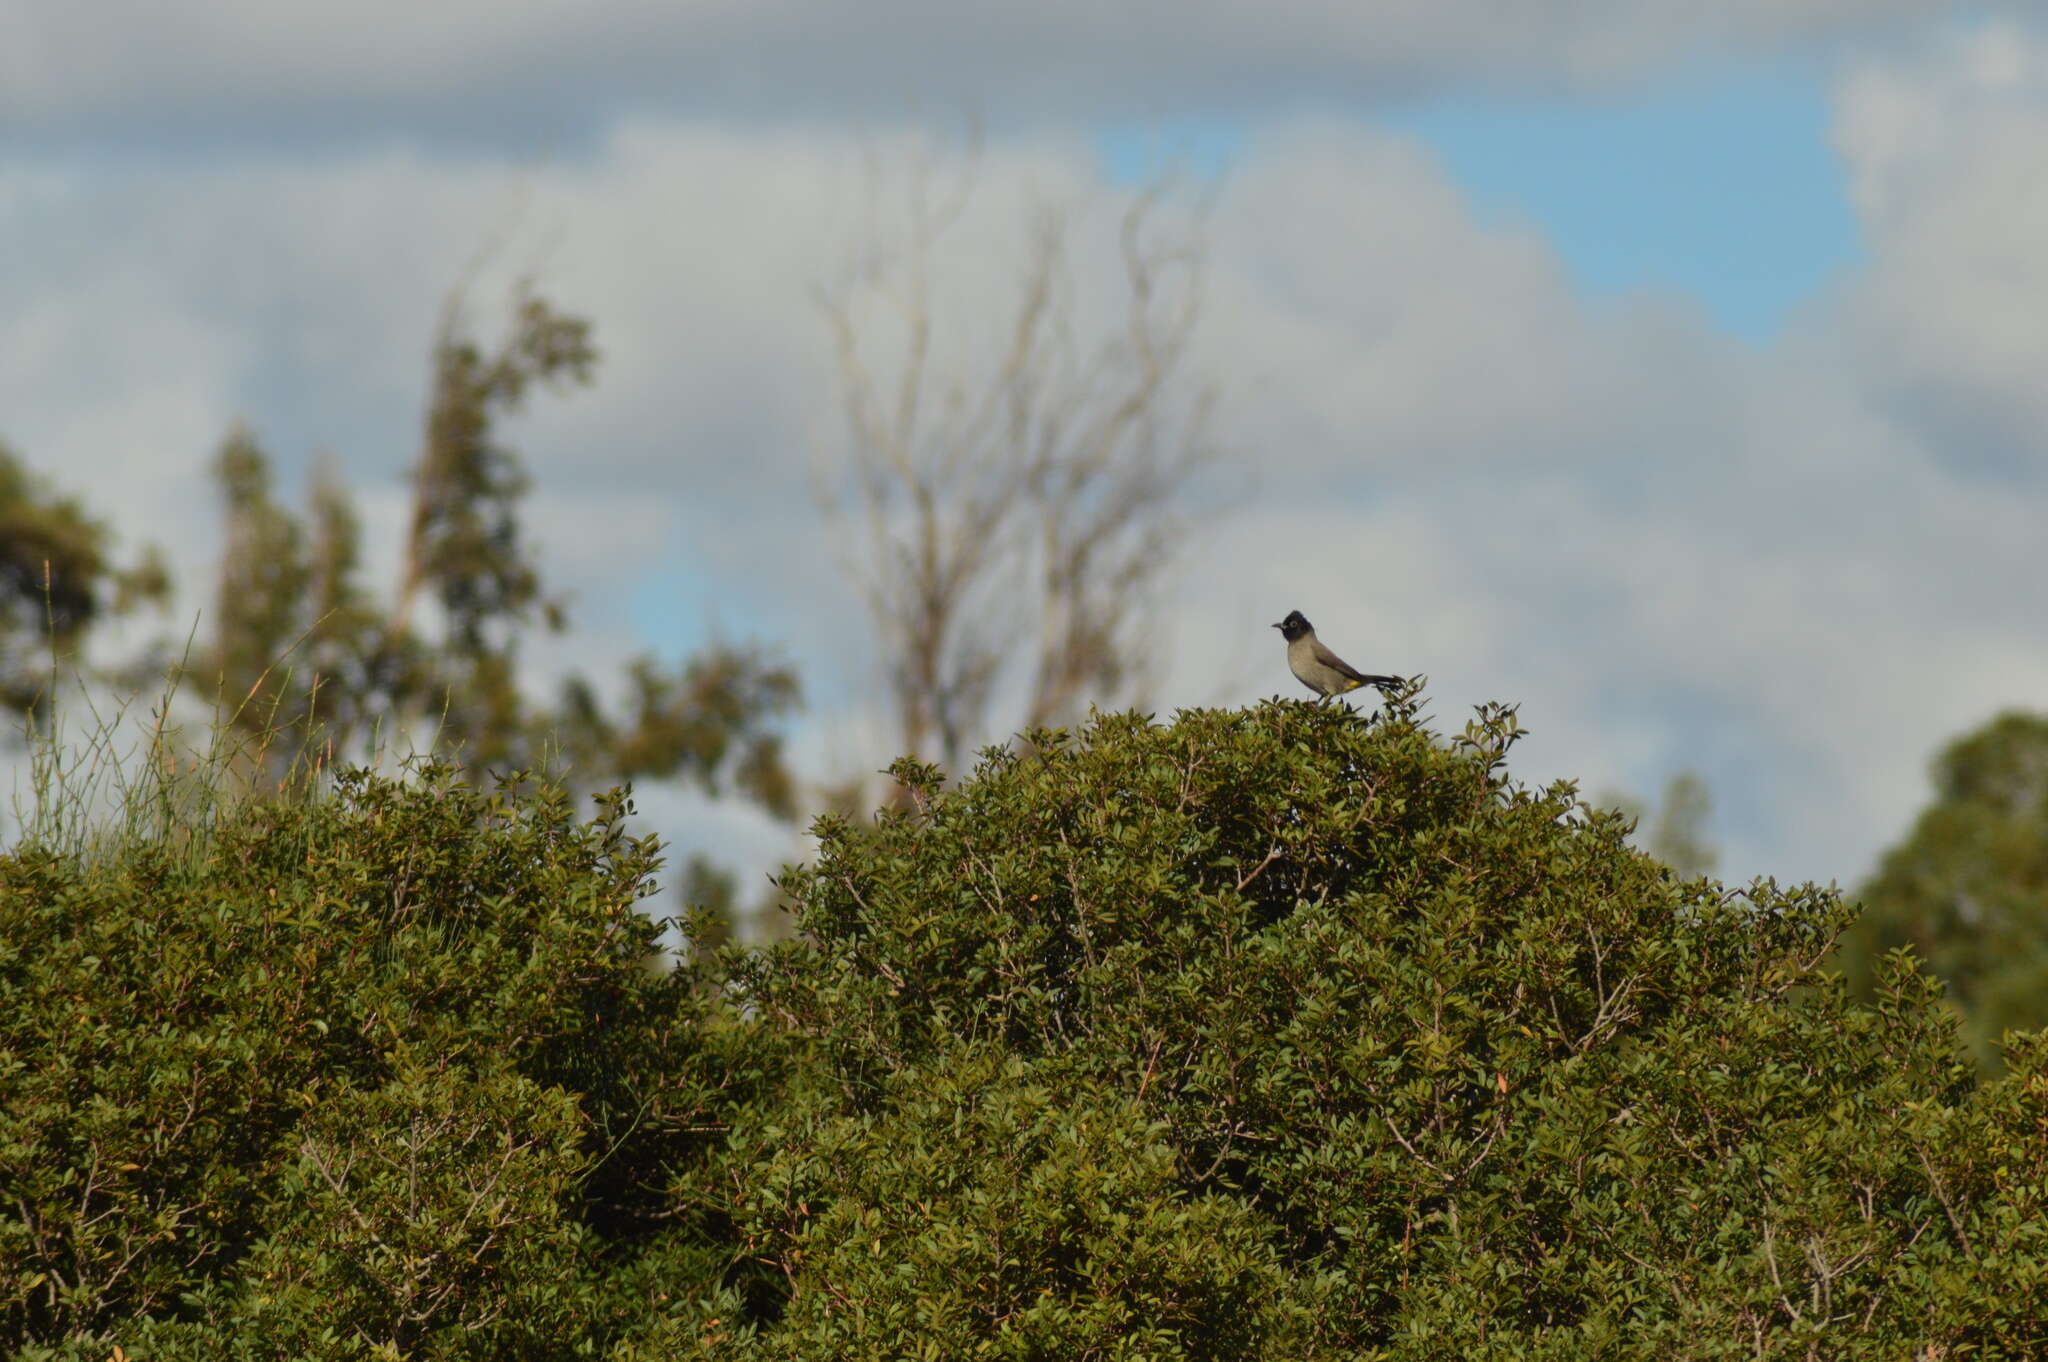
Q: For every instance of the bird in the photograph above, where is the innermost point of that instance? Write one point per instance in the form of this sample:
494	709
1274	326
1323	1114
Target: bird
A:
1316	667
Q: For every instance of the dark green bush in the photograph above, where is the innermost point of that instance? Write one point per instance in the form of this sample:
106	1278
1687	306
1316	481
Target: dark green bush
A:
1284	1033
1278	1033
389	1068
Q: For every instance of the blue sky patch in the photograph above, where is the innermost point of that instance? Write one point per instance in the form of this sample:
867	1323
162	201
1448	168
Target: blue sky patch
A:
1723	186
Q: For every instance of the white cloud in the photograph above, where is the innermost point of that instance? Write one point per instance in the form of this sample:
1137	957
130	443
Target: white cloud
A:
470	63
1398	333
1949	155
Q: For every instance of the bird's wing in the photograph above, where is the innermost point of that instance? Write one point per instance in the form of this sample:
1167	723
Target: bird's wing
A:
1330	659
1358	678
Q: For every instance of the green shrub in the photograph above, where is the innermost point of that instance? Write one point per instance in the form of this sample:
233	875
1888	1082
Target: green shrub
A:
1278	1033
389	1067
1285	1033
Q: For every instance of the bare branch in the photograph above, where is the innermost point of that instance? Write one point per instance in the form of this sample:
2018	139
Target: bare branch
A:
1029	503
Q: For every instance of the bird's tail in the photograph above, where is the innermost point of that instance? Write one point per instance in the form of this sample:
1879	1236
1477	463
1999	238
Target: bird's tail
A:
1383	682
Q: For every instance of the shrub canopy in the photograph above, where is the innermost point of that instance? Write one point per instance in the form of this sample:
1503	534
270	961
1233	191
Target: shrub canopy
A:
385	1069
1287	1033
1272	1033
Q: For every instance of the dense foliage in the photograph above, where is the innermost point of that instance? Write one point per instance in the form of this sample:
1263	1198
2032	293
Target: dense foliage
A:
1281	1033
388	1069
1269	1033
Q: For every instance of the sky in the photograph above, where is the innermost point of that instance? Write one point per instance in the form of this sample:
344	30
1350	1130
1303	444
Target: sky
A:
1672	370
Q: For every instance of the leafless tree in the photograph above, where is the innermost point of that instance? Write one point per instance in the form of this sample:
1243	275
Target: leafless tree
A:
1022	507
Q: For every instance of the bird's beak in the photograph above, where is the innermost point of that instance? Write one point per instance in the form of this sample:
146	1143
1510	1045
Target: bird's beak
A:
1281	625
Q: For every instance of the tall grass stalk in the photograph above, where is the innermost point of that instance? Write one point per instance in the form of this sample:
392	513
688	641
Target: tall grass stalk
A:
102	778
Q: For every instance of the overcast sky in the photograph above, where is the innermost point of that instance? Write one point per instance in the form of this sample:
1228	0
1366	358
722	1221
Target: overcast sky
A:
1672	369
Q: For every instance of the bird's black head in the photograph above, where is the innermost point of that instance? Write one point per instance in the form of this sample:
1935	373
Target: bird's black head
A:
1294	626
